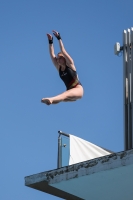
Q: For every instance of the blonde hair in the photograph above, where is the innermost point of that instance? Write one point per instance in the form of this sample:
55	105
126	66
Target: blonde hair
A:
60	54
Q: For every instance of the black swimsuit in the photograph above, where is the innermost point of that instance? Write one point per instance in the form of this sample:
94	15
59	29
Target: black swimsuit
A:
69	77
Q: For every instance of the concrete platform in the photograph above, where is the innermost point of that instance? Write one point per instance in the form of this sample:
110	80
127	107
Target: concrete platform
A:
109	177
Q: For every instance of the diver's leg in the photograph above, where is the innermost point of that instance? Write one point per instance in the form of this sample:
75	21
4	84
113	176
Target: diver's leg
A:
69	95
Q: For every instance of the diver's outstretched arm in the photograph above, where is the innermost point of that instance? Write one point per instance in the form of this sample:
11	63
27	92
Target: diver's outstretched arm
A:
68	58
51	50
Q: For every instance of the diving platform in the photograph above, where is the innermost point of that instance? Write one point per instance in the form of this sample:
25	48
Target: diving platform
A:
107	177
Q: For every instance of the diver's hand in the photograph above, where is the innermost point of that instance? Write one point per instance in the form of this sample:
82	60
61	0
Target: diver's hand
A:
56	34
50	38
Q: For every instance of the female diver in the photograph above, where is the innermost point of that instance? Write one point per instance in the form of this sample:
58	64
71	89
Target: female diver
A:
67	72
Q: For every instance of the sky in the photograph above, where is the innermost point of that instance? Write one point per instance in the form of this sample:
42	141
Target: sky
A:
28	128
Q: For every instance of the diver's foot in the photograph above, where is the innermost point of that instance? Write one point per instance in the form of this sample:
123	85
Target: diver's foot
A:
46	101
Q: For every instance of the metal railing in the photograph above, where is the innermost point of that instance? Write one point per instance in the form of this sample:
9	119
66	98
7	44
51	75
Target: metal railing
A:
63	149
